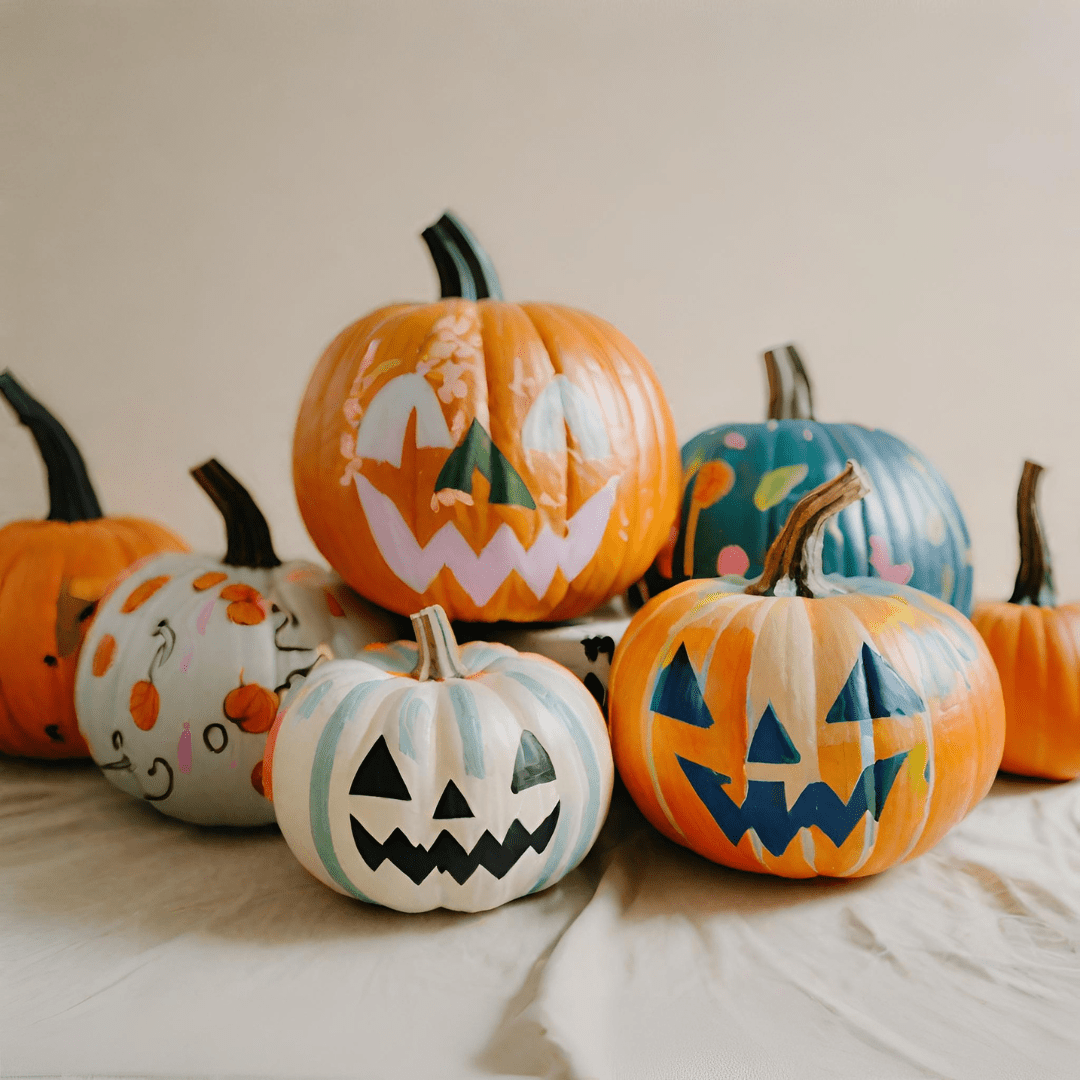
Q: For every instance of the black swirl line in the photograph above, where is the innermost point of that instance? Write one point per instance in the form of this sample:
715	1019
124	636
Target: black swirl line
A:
289	620
206	738
153	771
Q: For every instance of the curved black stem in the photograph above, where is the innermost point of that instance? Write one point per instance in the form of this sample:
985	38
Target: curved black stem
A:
246	531
465	269
71	495
791	396
1034	579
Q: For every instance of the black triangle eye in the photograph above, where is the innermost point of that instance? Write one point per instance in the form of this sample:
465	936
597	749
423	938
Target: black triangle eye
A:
452	804
532	765
378	775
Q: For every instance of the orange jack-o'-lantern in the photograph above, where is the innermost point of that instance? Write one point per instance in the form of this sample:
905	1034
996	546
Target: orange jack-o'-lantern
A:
504	461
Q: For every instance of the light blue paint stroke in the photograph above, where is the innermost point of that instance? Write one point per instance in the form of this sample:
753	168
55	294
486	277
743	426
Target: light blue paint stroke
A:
322	767
398	657
414	710
468	722
311	700
591	813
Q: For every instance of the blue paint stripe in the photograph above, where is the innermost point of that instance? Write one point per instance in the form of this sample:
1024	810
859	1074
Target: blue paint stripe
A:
311	700
415	707
321	769
558	708
468	722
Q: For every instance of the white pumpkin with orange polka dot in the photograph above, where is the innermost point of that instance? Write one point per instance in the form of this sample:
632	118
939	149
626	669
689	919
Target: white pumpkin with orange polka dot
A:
187	659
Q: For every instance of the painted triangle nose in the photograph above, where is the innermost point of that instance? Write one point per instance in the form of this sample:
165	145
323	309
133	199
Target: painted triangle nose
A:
452	804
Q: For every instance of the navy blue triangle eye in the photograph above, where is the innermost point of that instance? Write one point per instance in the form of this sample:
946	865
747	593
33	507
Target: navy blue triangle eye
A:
532	765
771	744
678	695
452	804
873	690
378	775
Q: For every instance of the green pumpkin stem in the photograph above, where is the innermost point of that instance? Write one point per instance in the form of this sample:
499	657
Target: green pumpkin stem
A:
1034	579
246	531
71	495
464	267
439	657
793	562
791	396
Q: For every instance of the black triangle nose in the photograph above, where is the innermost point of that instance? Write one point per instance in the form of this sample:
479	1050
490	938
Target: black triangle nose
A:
452	804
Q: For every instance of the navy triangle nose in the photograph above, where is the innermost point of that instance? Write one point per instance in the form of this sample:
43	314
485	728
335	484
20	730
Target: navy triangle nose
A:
452	804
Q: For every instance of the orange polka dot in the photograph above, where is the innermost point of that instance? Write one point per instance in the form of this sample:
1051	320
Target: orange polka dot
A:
245	609
103	655
257	778
208	580
144	704
142	593
334	604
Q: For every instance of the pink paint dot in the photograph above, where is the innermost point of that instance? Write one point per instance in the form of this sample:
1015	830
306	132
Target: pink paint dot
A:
732	560
734	441
204	616
186	662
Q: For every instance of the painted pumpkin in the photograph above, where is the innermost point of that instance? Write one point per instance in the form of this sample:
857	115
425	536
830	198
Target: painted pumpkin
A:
183	669
803	724
504	461
420	776
585	645
740	482
52	574
1036	645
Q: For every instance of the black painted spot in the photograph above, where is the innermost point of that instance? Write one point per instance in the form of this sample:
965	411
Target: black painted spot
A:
51	661
596	688
86	612
117	740
53	731
594	646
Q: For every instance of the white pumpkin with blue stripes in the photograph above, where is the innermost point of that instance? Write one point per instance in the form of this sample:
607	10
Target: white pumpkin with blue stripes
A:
422	775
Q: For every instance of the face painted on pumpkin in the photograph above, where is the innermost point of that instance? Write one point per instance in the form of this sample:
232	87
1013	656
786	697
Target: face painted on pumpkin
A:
490	510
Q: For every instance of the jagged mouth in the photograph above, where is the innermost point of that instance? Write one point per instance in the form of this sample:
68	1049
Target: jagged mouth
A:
448	856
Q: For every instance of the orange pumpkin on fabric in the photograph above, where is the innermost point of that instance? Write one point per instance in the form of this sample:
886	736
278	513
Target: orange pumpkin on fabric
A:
52	574
504	461
804	724
1036	646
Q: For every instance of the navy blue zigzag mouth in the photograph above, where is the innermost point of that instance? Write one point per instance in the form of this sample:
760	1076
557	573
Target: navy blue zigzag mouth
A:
447	854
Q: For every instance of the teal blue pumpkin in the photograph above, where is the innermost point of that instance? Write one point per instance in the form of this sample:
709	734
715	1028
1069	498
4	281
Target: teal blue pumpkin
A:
740	482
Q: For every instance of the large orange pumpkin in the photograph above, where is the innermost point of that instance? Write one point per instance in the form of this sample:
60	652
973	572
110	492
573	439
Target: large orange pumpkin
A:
803	724
504	461
52	574
1036	646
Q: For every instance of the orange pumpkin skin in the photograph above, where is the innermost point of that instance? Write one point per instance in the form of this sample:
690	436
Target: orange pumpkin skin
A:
1037	653
486	362
52	574
833	728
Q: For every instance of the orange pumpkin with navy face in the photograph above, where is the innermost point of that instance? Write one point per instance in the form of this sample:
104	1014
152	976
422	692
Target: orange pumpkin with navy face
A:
504	461
52	574
804	724
1035	643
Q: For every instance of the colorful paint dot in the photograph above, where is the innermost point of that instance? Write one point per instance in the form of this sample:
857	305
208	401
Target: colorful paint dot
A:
732	560
141	593
103	655
881	561
733	440
208	580
772	425
775	486
807	434
333	604
204	616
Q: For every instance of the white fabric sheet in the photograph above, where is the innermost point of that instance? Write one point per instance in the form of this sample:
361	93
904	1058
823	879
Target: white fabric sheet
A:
135	945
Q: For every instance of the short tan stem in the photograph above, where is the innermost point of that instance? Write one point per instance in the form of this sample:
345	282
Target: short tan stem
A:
790	393
1034	580
794	557
439	657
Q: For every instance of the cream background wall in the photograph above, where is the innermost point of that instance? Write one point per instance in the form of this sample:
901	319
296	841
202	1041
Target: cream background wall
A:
197	196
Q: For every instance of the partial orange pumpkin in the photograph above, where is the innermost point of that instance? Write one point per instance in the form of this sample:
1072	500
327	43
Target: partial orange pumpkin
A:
1036	646
506	461
52	574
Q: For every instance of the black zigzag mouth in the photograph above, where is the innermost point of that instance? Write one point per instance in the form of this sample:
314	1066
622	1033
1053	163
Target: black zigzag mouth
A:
448	856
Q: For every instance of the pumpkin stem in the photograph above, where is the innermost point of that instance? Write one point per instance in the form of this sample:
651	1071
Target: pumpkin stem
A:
71	495
793	561
790	394
246	531
465	269
1034	580
439	657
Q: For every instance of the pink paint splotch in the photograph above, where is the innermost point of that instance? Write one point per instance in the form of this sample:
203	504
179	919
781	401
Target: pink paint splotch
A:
881	561
204	616
185	663
732	560
183	749
733	440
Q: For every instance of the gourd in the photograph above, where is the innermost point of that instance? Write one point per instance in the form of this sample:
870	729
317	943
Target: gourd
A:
805	724
740	482
189	656
419	775
506	461
52	574
1035	643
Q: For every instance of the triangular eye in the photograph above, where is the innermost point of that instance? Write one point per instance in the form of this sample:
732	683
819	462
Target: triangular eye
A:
873	690
771	744
452	804
532	765
678	695
379	775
